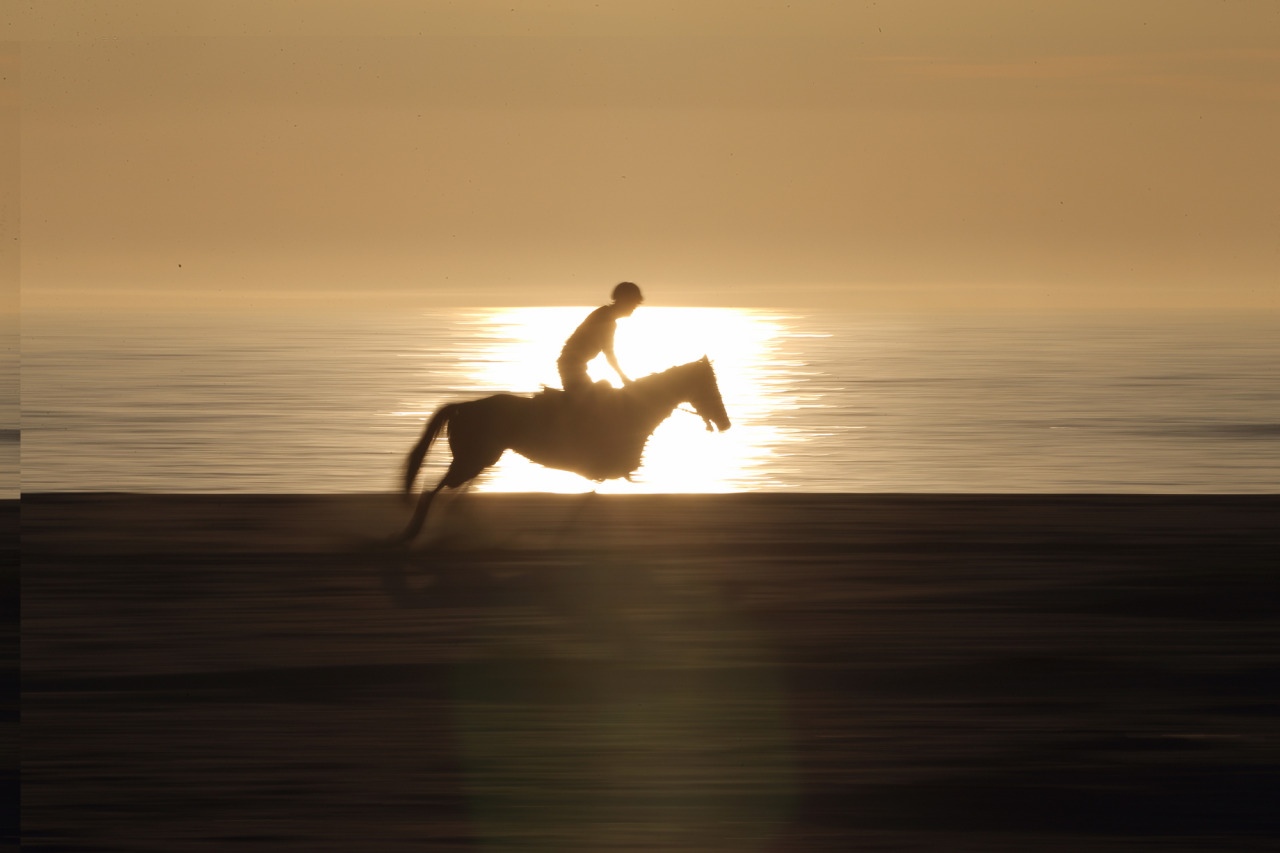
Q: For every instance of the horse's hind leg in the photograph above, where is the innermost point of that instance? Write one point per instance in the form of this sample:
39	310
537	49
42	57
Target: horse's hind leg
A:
420	513
460	473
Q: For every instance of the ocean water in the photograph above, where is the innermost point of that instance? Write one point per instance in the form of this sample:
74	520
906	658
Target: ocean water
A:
10	435
820	403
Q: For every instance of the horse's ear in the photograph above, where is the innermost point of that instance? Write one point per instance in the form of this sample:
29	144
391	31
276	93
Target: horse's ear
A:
706	360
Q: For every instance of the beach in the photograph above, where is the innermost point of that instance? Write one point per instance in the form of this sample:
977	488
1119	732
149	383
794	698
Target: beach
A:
774	672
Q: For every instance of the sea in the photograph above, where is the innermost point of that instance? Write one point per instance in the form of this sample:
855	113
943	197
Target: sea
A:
820	402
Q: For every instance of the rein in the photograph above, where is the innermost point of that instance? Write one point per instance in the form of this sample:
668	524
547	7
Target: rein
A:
705	420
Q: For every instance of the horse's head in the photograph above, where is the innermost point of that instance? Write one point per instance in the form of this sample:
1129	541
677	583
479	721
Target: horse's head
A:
705	397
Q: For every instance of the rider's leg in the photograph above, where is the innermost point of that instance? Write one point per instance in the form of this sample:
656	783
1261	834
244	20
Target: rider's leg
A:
573	376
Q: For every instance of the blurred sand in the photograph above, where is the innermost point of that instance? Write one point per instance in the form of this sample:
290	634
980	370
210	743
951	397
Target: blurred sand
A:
737	672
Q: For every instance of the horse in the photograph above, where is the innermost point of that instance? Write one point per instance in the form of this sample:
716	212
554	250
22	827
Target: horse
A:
600	435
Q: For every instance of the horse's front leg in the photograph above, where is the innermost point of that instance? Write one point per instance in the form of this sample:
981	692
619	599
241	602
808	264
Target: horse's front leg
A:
589	499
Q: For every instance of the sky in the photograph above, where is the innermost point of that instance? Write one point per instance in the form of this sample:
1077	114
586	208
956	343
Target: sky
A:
921	155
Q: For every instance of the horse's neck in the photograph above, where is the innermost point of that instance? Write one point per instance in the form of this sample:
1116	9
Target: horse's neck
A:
665	390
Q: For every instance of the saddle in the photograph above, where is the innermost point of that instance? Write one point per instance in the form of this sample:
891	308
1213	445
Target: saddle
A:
601	403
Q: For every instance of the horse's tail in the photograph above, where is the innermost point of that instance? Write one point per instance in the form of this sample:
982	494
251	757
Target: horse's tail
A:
419	452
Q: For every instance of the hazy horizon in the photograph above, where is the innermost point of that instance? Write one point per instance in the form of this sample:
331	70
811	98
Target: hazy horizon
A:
913	156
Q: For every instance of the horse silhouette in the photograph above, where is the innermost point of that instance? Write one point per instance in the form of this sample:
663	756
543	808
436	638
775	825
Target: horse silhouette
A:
600	435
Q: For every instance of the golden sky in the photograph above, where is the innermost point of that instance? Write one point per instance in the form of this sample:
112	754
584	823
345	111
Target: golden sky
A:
912	155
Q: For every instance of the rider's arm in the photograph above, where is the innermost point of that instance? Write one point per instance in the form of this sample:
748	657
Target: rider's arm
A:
612	359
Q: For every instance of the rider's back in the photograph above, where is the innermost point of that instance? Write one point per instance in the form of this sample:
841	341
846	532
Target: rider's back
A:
592	336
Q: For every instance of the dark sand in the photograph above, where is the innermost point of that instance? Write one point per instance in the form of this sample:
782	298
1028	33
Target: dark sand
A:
735	673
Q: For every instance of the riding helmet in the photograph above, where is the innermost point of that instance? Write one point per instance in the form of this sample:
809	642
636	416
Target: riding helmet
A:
627	292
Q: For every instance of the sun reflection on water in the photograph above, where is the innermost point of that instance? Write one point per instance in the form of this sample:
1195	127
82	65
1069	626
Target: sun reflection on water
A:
515	349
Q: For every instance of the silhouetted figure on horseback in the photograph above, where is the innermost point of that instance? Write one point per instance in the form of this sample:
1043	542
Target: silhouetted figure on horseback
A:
593	337
598	433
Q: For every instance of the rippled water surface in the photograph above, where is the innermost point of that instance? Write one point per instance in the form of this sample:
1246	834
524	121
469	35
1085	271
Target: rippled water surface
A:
826	403
10	364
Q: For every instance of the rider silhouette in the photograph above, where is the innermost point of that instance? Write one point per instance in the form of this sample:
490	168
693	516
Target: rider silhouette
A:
595	336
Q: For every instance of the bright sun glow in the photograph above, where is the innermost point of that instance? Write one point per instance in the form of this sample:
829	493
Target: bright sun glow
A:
516	350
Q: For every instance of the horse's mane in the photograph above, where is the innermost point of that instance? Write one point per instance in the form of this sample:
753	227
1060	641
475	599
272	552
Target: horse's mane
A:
665	377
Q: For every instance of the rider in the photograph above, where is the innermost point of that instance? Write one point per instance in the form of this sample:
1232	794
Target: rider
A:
595	336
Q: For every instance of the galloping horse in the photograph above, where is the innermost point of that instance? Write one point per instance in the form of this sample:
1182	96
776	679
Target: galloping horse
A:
601	437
